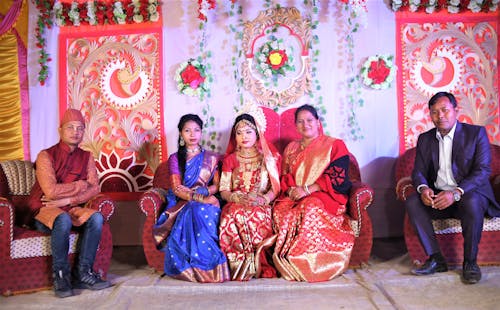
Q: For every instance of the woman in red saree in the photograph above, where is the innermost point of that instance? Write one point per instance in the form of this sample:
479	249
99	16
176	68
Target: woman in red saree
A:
249	183
315	240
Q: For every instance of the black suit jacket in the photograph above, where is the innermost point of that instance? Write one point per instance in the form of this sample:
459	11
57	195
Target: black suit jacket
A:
471	161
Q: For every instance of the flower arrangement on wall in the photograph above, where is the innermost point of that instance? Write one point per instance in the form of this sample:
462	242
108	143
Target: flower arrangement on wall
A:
273	59
192	79
452	6
378	71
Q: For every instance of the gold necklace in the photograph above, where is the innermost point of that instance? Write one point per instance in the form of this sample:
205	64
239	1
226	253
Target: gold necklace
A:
194	151
248	153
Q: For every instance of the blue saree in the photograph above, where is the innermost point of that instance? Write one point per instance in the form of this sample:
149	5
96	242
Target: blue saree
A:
192	250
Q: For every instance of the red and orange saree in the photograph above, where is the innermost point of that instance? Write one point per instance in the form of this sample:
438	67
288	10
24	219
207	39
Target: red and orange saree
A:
315	240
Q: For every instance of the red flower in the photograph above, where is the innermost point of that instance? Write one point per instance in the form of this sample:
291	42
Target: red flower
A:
277	59
378	71
191	76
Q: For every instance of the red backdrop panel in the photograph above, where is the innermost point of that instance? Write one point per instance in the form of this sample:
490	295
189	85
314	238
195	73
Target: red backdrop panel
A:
113	75
447	52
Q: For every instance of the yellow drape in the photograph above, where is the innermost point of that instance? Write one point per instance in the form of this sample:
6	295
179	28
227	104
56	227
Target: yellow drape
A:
11	135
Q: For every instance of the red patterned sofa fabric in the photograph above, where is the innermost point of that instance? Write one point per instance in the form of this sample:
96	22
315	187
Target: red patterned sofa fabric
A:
451	243
23	265
280	131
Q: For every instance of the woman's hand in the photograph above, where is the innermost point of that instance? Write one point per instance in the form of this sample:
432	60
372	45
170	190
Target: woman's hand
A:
256	200
297	193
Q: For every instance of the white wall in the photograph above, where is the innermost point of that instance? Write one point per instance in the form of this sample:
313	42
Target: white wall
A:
378	118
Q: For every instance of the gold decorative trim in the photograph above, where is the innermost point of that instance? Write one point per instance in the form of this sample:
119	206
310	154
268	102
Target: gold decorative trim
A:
291	20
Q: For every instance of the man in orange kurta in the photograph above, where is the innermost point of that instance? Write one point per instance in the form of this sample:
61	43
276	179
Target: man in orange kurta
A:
66	178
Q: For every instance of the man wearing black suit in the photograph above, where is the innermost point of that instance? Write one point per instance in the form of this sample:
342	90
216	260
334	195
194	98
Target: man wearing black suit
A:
451	171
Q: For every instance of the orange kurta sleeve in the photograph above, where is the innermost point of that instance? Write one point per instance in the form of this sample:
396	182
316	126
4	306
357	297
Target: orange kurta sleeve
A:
79	191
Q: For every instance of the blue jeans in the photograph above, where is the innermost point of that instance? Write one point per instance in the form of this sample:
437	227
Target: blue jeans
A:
88	241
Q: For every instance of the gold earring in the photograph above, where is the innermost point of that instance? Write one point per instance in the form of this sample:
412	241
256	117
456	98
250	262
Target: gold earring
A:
182	142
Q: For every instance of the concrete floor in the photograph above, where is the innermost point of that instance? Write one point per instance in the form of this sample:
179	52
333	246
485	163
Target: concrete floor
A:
384	283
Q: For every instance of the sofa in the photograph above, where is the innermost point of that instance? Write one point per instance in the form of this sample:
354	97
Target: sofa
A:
25	254
448	231
280	131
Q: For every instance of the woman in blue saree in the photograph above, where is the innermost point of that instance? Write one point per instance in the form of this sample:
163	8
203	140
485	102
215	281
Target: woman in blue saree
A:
187	229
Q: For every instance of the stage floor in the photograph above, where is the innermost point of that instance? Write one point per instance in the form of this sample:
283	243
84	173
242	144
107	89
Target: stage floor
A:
384	283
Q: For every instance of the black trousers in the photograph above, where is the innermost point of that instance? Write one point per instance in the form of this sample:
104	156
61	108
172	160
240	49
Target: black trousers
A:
470	210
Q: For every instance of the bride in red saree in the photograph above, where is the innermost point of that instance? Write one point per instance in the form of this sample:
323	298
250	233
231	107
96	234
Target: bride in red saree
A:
249	183
315	240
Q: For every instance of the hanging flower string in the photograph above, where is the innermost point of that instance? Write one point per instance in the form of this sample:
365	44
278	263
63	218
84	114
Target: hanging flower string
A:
44	21
378	71
191	78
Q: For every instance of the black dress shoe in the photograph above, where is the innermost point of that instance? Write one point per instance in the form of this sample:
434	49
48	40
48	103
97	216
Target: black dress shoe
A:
430	266
471	272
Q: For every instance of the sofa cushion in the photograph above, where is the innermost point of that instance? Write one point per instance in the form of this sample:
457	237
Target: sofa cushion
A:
32	243
452	226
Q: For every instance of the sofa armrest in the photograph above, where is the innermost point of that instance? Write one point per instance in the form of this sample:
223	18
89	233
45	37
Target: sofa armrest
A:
404	188
104	204
360	198
6	224
151	202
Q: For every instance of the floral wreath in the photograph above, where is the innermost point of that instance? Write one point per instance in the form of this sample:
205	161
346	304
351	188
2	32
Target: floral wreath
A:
272	60
378	71
191	78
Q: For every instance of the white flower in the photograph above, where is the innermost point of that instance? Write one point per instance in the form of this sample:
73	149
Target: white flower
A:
151	9
119	13
154	17
396	5
453	9
58	14
138	18
454	2
91	13
74	15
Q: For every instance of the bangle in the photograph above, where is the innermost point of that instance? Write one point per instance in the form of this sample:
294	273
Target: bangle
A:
307	190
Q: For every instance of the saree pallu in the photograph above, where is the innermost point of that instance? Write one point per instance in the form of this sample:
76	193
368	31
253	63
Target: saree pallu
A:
315	239
244	237
188	229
